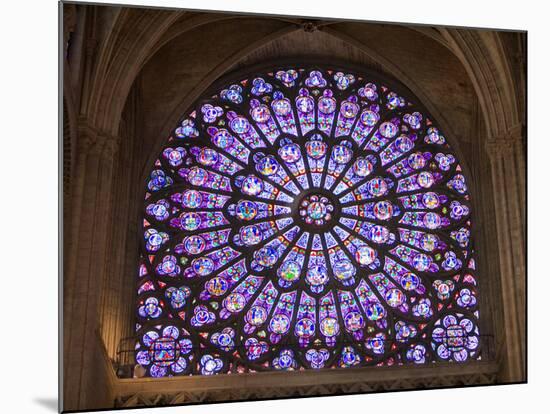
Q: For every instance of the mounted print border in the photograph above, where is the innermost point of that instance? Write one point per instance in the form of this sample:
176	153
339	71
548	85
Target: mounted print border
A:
299	207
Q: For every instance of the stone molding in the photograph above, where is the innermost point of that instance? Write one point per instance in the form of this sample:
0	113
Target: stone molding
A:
482	56
377	379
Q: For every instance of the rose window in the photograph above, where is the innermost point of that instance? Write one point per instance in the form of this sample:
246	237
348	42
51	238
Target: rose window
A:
305	219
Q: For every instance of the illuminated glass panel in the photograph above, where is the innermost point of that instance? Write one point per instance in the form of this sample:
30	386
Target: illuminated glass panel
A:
305	218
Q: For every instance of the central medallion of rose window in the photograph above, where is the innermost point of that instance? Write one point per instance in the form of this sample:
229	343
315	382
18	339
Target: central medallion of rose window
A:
316	209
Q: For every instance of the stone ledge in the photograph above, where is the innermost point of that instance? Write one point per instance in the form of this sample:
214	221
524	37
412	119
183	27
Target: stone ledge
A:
266	385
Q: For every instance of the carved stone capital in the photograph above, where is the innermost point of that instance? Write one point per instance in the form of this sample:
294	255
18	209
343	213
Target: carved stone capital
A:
109	145
506	143
86	138
309	26
92	141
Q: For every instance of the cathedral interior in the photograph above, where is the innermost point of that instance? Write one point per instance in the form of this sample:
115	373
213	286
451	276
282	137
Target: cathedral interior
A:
136	80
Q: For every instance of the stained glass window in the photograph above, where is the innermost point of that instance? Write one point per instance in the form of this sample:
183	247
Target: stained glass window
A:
305	218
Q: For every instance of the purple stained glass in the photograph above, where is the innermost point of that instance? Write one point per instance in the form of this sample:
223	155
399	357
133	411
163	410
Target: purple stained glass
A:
305	218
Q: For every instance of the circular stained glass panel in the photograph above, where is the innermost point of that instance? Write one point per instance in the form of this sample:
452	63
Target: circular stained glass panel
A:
308	220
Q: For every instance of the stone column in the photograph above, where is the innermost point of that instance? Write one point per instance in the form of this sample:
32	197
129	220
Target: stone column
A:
83	383
117	306
507	155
